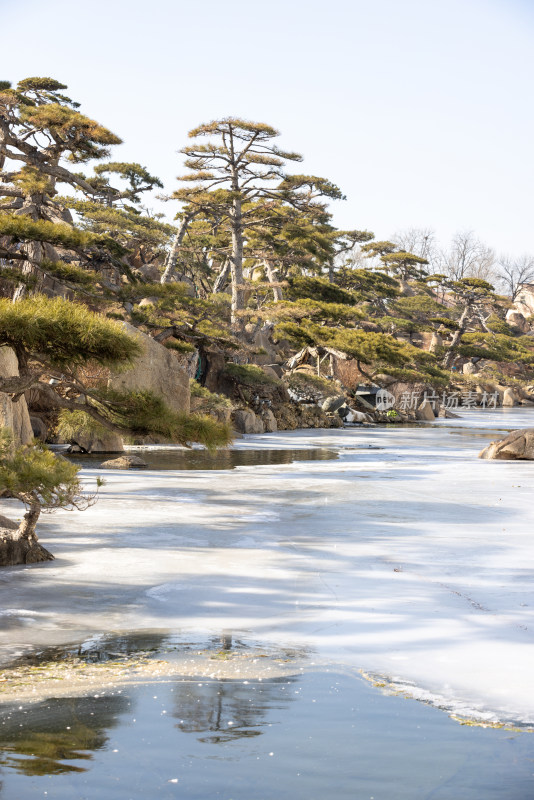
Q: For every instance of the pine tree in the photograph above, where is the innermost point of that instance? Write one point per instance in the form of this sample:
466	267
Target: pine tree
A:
41	131
234	169
43	482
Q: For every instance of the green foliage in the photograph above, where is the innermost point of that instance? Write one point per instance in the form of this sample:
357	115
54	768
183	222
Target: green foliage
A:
495	347
451	324
24	229
65	334
178	346
419	305
142	412
305	380
498	325
32	472
79	134
31	181
70	273
73	423
14	277
318	289
317	310
394	324
367	283
210	401
248	373
40	85
406	265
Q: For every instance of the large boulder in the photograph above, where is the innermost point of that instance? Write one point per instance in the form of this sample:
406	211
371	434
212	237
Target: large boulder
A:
469	368
157	369
39	427
246	421
269	420
333	403
517	320
425	411
102	441
13	416
518	445
509	398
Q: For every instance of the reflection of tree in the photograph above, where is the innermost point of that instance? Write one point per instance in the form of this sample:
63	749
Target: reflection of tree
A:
50	734
229	709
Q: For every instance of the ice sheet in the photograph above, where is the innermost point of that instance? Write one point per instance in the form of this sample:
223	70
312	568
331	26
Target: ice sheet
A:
407	557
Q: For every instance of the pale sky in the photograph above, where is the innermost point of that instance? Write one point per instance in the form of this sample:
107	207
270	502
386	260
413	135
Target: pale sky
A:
420	110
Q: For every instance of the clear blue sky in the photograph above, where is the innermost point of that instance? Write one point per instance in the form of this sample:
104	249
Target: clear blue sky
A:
420	110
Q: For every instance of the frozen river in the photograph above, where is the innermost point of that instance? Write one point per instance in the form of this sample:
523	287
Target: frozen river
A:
398	553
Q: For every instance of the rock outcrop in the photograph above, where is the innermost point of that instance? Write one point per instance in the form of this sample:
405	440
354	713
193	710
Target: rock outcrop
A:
246	421
158	370
518	445
425	411
517	320
101	442
269	420
509	398
13	416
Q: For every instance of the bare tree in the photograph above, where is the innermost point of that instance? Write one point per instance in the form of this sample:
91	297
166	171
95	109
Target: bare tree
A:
468	257
419	241
513	272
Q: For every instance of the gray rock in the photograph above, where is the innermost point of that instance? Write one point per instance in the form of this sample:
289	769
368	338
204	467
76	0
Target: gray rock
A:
425	411
246	421
39	428
469	368
125	462
333	403
157	369
509	398
343	411
517	446
269	420
357	416
517	320
107	442
445	413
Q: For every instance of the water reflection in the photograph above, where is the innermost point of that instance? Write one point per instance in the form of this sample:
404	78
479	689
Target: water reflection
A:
221	459
110	647
321	735
226	710
44	739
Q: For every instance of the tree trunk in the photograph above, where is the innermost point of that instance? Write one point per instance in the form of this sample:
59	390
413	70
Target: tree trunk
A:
272	277
221	279
21	546
330	272
172	258
15	549
457	337
236	263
